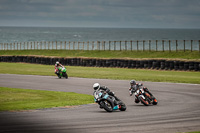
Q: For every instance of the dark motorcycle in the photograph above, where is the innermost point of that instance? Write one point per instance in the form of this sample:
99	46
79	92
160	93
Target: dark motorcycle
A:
108	102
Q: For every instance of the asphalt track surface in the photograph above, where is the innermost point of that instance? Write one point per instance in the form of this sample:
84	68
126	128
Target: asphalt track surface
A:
178	109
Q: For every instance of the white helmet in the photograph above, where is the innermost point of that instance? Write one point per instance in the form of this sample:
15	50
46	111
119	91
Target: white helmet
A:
96	86
57	62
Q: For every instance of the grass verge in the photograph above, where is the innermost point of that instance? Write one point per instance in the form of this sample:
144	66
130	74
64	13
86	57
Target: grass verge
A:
104	73
107	54
25	99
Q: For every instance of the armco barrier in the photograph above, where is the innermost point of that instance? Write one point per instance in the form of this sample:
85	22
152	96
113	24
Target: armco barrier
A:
120	63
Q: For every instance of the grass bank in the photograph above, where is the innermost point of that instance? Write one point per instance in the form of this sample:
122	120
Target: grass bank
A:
25	99
195	55
104	73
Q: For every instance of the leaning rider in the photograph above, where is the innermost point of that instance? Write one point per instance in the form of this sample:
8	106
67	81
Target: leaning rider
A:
135	86
97	86
57	66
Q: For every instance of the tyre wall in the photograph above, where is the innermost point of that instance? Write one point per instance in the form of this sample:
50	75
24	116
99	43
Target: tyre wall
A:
120	63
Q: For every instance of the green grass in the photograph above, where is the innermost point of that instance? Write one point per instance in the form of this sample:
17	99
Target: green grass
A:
25	99
104	73
195	55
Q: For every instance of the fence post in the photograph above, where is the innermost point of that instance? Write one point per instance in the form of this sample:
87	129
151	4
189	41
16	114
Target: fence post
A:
109	45
169	46
56	45
149	45
114	45
199	46
99	45
66	45
78	45
137	45
41	45
126	45
92	45
104	45
131	45
45	47
120	43
73	45
10	46
176	45
163	45
184	44
83	45
191	45
156	45
143	45
88	45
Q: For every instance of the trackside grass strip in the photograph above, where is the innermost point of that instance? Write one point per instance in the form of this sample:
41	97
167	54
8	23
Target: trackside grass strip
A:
104	73
107	54
25	99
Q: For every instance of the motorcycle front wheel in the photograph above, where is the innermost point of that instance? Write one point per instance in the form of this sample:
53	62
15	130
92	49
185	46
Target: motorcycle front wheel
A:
106	105
65	75
145	102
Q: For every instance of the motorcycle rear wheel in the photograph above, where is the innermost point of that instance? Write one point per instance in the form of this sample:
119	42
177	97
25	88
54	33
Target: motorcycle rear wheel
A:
155	102
123	107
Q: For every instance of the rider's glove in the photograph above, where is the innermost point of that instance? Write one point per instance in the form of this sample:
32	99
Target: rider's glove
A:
111	93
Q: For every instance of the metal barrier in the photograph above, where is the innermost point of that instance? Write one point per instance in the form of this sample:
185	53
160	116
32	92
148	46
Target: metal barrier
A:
138	45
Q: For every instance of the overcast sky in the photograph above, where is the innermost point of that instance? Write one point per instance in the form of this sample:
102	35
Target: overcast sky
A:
101	13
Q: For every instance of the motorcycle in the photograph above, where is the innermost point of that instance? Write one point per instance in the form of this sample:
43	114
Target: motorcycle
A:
144	97
61	72
108	102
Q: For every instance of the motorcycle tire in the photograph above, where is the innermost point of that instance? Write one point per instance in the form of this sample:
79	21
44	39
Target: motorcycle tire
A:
107	105
66	76
123	107
145	102
155	102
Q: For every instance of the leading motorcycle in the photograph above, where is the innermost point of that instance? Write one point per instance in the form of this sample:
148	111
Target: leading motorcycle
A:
61	72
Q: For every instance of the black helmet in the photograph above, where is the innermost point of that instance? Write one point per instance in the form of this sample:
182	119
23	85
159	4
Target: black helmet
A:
133	82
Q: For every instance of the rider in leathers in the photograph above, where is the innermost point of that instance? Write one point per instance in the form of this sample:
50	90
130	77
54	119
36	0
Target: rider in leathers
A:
133	88
97	86
57	65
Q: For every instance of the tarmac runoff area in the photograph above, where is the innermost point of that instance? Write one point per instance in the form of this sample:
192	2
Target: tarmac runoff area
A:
178	108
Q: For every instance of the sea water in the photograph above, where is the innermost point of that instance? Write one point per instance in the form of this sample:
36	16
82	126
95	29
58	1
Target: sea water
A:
44	34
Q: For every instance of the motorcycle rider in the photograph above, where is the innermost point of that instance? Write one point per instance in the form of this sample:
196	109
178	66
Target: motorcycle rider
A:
97	86
135	86
57	65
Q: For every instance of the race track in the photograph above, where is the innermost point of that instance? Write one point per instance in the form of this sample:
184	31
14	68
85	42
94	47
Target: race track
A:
178	109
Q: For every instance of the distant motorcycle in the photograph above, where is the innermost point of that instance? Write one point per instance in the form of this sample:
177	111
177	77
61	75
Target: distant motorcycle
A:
108	102
144	97
61	72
